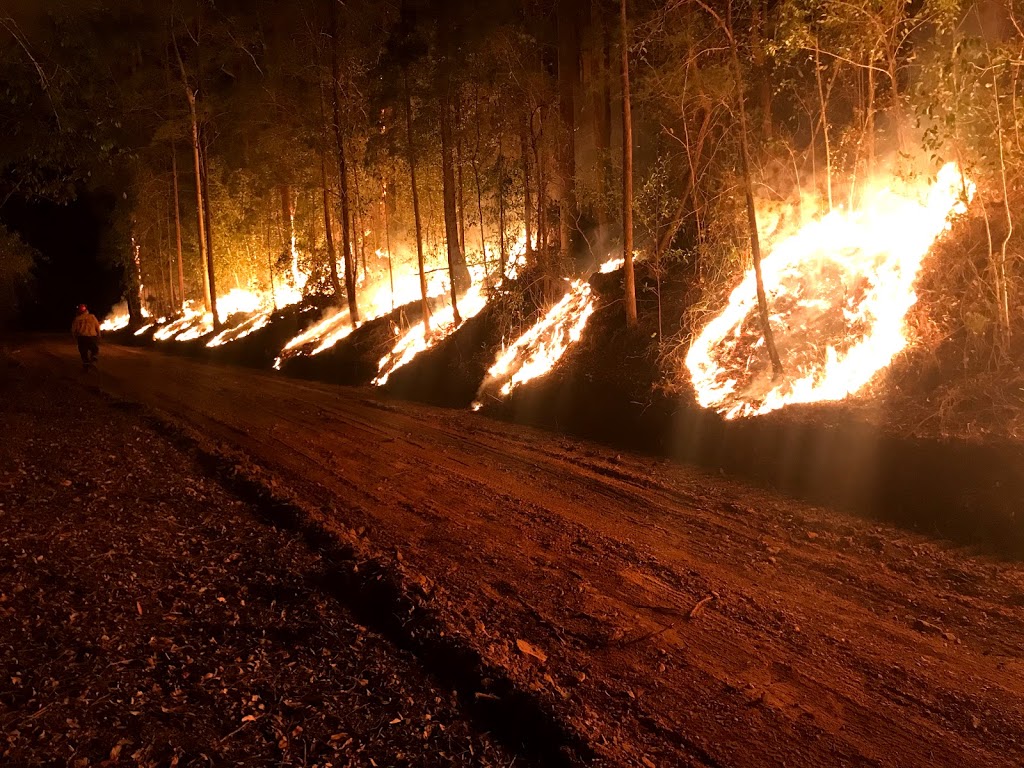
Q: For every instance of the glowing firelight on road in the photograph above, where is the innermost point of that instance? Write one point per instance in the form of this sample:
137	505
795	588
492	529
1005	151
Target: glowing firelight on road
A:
838	291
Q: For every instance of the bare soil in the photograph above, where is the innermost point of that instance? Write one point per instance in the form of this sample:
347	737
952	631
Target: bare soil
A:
150	617
655	613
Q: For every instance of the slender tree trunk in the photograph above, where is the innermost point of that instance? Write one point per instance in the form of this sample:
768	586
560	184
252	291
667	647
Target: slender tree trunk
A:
869	121
204	254
502	252
156	238
358	217
525	153
479	194
824	122
748	191
270	256
311	222
760	62
204	257
347	256
458	171
568	74
665	239
542	219
895	104
387	236
200	207
1003	292
288	222
627	177
542	229
332	257
209	239
134	297
416	203
604	134
173	299
177	227
459	273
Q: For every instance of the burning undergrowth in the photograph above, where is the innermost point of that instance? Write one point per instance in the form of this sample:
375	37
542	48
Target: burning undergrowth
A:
451	372
343	354
539	348
603	374
838	291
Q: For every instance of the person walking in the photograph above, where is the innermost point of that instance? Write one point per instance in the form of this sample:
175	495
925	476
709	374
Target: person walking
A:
86	330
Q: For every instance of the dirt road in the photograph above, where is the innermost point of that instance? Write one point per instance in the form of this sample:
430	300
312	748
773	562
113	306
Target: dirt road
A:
151	618
667	615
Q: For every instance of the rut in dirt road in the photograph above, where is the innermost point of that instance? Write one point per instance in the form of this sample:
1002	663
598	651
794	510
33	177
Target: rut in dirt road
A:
665	615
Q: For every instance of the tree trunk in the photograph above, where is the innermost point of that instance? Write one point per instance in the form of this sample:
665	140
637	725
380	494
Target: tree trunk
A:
458	171
350	271
209	239
288	227
895	103
869	118
200	207
332	254
204	257
167	259
479	194
387	236
177	227
824	122
459	273
627	178
204	254
542	232
270	257
502	255
525	153
568	74
760	62
416	203
134	296
332	257
748	190
360	230
664	242
602	109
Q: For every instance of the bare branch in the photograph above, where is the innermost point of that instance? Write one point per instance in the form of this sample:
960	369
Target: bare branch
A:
11	26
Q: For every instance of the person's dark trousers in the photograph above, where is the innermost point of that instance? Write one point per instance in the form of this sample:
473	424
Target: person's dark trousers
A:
88	348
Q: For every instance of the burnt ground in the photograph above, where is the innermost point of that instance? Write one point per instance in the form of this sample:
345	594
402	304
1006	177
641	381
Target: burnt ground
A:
148	616
636	610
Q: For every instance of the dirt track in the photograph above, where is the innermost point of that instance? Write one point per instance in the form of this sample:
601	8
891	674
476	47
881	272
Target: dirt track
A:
826	640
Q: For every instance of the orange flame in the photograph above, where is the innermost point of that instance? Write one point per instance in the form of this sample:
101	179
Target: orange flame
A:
535	352
442	322
838	291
